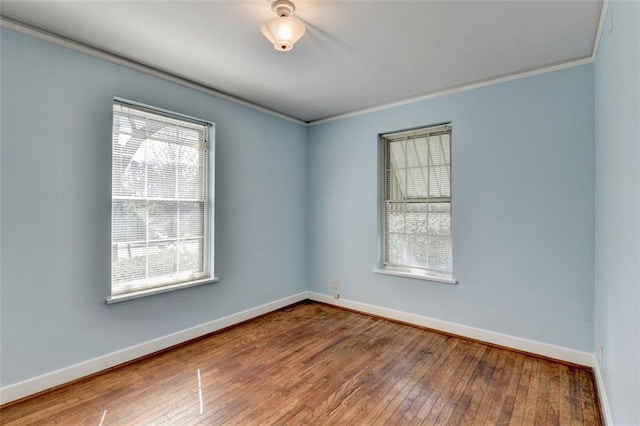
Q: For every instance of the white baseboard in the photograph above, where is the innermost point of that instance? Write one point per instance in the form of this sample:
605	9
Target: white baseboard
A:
55	378
46	381
602	394
518	343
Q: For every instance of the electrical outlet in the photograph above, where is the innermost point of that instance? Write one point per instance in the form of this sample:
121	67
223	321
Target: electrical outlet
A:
336	295
335	284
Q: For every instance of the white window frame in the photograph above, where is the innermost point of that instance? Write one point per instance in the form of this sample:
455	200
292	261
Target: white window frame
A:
384	266
207	276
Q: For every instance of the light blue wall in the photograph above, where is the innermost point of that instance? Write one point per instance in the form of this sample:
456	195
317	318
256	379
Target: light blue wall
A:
293	215
56	183
523	214
617	130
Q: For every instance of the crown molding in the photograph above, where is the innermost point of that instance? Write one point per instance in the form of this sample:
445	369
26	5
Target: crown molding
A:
156	72
457	89
603	16
129	63
482	83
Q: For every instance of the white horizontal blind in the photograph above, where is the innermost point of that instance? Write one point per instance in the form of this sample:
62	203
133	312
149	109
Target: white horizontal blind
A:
159	216
417	199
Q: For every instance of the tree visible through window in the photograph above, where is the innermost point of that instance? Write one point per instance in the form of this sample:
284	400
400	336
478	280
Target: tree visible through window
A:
159	229
416	190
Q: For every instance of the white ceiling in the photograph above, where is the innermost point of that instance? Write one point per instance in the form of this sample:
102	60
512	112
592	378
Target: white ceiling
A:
355	54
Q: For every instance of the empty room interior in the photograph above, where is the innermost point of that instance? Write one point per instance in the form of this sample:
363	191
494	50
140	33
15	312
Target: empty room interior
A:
320	212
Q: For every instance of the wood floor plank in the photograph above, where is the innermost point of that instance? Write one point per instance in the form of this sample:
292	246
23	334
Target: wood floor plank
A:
445	356
398	399
502	406
532	394
542	405
379	400
564	400
517	413
590	412
471	391
387	360
453	400
311	363
492	387
324	354
553	411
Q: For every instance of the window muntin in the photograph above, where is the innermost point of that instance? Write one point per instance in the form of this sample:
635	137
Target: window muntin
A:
416	201
160	205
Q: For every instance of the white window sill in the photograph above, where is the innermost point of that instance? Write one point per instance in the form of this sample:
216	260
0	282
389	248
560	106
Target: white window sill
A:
150	291
419	275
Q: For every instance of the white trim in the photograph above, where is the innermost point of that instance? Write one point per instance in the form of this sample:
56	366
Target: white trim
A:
518	343
415	275
158	290
55	378
456	89
90	50
483	83
129	63
46	381
603	16
602	394
149	110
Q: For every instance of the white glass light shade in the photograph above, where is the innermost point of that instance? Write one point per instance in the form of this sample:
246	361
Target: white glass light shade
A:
283	32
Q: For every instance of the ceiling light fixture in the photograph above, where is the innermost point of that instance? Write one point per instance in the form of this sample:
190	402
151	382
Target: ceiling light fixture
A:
283	31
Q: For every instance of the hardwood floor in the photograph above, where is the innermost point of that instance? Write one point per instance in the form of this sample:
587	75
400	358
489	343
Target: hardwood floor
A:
315	364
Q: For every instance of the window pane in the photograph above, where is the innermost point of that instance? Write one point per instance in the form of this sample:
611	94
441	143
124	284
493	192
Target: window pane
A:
162	131
161	169
417	186
440	219
190	137
397	155
395	185
129	221
416	251
159	198
191	255
419	152
190	173
128	175
191	219
162	259
439	252
416	222
396	245
129	262
439	182
163	220
133	178
395	222
416	189
440	149
439	241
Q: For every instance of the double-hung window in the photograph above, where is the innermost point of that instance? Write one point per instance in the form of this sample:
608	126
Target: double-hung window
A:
161	217
416	203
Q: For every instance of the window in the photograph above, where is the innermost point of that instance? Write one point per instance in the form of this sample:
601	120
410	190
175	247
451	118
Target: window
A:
416	203
160	213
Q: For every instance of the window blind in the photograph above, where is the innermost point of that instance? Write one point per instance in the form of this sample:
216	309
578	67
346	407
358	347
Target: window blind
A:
159	233
416	187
